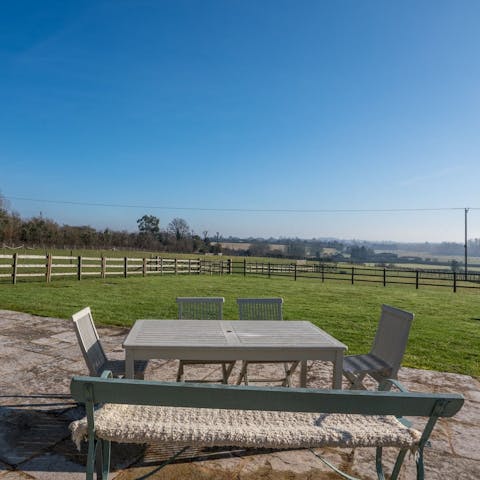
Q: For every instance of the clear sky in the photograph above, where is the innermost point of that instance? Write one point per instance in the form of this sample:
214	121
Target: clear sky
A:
219	111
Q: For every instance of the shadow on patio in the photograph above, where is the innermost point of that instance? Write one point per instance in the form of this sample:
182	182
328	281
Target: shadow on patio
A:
38	357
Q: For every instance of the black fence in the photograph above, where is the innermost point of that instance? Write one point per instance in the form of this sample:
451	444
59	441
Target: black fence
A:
360	274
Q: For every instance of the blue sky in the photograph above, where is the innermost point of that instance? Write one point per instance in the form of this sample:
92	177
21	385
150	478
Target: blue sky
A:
205	106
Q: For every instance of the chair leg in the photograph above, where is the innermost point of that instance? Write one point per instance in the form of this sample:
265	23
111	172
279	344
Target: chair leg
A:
356	381
289	370
243	374
287	380
227	371
180	372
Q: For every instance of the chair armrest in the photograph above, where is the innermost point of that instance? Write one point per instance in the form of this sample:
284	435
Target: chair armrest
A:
389	382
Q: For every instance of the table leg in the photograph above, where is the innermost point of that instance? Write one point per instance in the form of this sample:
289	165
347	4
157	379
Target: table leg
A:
129	364
303	374
337	370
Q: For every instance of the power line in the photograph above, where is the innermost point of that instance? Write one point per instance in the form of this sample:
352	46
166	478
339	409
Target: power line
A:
246	210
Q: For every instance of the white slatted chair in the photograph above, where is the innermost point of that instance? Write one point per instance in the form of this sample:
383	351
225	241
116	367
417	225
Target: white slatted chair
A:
387	352
92	349
202	308
263	309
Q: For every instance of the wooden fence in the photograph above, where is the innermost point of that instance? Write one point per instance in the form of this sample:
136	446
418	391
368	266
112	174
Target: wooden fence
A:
47	267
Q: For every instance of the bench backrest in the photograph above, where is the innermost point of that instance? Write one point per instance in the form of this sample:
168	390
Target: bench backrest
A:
140	392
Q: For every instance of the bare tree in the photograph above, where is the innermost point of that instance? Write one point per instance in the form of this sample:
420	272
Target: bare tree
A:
179	228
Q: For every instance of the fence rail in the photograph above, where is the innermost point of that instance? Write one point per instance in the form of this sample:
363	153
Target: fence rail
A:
16	267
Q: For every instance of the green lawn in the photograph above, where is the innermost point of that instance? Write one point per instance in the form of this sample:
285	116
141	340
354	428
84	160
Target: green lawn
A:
445	334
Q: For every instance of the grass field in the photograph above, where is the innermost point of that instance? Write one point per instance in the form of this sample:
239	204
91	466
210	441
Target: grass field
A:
445	335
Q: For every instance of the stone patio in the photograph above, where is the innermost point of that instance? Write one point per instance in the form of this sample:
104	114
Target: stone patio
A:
38	357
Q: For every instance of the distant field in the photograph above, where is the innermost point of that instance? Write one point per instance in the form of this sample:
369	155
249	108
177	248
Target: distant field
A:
471	267
241	247
441	258
445	335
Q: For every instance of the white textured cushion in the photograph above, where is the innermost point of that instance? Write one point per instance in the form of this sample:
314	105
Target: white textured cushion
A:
244	428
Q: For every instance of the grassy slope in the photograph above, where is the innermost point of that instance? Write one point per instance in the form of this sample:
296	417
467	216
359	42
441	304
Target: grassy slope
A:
445	334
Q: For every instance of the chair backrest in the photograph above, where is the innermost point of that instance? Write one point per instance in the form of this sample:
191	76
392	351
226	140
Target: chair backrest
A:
200	308
260	308
89	341
392	335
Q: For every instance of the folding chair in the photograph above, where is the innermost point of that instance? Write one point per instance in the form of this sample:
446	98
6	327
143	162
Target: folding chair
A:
92	349
387	351
202	308
263	309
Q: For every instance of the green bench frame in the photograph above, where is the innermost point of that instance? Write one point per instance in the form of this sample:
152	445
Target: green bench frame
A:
93	390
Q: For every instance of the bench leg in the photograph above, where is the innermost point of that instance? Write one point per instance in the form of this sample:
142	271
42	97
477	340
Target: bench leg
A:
91	457
420	468
378	463
344	475
106	450
398	464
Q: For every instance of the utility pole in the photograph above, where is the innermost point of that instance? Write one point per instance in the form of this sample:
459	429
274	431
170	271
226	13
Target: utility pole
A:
466	245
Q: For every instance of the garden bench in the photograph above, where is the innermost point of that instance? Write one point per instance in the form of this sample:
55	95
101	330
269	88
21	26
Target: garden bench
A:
138	411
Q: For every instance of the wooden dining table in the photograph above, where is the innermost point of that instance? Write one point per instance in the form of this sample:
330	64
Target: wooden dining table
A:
227	340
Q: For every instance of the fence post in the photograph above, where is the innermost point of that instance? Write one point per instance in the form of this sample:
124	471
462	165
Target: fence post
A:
416	279
384	277
79	268
244	267
161	265
48	272
268	269
102	267
125	266
175	265
353	274
295	271
454	282
14	268
323	272
144	266
229	264
189	266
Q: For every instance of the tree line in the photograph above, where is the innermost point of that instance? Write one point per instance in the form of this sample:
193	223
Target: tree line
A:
41	232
